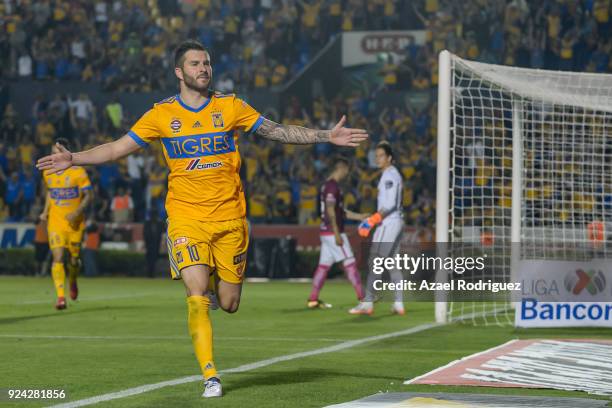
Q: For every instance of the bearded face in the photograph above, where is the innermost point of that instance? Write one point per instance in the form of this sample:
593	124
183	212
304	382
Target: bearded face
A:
196	72
200	82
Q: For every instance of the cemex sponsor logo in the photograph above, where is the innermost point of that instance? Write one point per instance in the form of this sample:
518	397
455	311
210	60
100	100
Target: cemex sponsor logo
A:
593	281
196	165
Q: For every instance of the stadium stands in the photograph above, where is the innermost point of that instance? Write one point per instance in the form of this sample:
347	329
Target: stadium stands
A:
126	46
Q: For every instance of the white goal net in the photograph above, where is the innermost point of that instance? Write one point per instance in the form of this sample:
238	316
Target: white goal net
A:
524	168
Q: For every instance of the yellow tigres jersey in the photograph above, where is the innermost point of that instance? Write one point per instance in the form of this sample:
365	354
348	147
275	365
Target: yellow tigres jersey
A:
202	154
65	192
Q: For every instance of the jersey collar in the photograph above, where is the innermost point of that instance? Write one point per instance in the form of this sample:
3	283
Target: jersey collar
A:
189	108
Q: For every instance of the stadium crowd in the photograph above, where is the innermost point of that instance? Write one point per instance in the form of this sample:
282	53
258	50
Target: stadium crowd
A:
281	180
127	46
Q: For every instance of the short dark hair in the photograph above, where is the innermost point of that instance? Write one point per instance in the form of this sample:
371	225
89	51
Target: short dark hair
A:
386	146
179	52
338	160
64	142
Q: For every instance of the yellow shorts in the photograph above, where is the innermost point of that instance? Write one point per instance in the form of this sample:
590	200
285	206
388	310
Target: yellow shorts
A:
66	238
218	244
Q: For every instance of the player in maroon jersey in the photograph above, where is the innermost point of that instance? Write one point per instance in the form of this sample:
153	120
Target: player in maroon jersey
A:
335	246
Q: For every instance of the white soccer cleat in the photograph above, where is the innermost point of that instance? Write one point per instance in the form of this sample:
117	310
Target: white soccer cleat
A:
212	388
363	308
318	304
398	309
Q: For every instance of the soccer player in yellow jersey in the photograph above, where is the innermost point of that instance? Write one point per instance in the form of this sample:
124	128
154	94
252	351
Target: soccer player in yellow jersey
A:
68	194
207	230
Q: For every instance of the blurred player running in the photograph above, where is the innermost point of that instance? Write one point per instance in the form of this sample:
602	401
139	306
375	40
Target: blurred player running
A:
388	234
207	228
68	194
335	246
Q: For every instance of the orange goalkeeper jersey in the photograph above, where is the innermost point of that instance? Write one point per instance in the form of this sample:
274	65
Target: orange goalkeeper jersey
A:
65	193
200	147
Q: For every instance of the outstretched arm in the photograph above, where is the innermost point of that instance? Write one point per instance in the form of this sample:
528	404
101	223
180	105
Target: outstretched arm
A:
98	155
339	135
112	151
351	215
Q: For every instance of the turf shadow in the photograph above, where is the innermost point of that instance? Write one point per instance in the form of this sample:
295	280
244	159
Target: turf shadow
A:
239	381
363	318
301	310
69	312
378	315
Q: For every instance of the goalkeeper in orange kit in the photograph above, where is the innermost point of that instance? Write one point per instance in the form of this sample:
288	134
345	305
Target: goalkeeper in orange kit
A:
389	226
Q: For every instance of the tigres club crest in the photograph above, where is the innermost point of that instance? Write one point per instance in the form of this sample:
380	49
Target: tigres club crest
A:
217	118
175	125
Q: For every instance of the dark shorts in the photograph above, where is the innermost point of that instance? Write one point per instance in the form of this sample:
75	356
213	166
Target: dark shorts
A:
41	249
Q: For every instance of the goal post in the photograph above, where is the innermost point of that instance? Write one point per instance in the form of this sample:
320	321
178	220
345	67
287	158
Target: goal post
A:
517	193
524	164
442	175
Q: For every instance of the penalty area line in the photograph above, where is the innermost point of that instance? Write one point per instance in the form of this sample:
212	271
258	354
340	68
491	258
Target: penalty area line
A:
245	367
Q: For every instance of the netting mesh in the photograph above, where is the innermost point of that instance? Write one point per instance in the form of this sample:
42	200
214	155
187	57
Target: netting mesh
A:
564	121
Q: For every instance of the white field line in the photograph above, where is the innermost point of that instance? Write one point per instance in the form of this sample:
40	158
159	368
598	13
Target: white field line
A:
246	367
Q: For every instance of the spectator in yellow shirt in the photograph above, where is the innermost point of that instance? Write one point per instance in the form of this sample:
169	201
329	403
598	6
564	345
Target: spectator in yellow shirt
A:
45	133
308	202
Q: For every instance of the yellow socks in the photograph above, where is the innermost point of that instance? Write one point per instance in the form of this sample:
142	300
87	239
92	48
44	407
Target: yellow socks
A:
59	276
200	330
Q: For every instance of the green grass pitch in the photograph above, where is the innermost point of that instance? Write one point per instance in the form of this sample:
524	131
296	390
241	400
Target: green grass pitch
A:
125	332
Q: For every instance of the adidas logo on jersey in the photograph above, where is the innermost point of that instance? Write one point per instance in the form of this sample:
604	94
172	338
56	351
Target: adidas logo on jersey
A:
197	124
195	165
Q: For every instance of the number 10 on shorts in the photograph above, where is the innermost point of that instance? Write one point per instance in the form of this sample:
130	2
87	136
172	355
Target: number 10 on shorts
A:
192	251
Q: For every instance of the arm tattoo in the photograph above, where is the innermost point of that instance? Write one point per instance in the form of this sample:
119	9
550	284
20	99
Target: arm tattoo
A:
291	134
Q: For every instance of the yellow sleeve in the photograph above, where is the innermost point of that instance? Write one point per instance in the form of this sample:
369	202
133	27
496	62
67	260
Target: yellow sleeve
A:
84	183
247	118
146	129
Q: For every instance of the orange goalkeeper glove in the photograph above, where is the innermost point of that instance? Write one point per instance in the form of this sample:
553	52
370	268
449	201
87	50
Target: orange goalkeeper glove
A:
366	225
